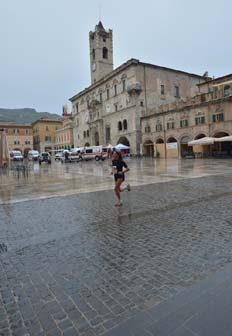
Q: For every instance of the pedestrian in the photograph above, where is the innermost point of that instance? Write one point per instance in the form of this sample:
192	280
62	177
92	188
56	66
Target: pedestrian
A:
119	168
66	154
109	153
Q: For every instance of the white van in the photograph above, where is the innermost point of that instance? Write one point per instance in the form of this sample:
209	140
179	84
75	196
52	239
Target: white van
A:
93	152
16	155
33	155
74	155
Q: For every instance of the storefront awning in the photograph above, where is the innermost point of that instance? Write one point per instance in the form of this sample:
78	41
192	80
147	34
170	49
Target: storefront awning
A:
202	141
223	139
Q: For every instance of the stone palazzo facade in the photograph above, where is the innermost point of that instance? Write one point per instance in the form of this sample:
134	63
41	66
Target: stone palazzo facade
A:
167	131
19	136
44	134
64	134
117	105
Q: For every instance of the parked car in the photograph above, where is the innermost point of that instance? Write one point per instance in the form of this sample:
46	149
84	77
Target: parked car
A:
58	156
45	157
16	155
70	156
33	155
75	154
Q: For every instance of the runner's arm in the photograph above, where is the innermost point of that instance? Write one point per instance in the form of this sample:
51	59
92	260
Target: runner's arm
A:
126	167
114	170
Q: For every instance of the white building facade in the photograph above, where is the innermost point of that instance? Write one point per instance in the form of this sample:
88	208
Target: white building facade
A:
110	110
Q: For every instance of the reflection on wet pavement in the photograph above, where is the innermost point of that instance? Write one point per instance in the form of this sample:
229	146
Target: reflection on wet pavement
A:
77	265
59	180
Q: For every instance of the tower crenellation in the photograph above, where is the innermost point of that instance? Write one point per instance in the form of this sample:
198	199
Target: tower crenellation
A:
101	52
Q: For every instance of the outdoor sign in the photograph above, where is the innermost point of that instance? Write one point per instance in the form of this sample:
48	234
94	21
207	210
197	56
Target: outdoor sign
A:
171	145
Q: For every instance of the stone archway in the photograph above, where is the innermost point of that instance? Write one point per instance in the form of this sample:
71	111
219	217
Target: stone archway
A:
172	150
220	134
159	141
148	148
184	148
222	149
200	136
201	150
96	139
124	141
87	144
160	148
171	140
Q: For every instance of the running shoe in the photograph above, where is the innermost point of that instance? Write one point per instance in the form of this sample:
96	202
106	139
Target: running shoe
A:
118	204
128	187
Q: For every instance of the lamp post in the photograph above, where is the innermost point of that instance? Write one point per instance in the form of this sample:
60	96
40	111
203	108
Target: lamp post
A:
165	147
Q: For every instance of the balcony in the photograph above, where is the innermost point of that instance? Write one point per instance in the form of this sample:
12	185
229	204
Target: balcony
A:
135	88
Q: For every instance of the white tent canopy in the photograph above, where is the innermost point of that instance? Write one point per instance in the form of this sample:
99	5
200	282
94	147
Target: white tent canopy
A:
202	141
209	140
121	147
223	139
4	150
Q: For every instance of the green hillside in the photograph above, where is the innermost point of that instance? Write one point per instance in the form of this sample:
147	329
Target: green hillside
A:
24	115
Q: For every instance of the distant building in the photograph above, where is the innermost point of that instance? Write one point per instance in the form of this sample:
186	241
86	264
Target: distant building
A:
112	108
44	133
19	136
64	134
167	131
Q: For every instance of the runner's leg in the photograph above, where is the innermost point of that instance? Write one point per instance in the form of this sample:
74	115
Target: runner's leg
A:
127	187
117	190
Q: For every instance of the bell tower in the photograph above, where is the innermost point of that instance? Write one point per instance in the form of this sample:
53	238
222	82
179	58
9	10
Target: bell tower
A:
101	52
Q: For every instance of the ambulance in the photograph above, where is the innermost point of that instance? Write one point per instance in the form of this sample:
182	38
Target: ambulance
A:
94	153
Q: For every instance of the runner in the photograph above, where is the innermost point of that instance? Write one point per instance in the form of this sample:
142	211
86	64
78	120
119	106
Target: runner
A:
118	170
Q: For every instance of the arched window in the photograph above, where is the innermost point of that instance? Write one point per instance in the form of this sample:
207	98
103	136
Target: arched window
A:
93	53
123	85
125	124
120	126
105	53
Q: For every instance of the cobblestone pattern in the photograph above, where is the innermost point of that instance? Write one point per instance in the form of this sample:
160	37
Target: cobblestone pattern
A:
83	268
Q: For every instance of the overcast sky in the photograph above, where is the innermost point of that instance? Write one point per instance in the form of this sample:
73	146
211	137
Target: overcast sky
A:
44	57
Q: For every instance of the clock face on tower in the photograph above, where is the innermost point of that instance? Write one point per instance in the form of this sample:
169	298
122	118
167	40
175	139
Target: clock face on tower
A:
94	66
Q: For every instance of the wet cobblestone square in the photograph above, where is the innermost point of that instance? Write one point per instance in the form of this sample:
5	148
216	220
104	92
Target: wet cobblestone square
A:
75	265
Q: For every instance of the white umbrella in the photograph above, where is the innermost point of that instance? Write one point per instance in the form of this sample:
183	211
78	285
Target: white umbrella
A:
223	139
4	151
121	147
202	141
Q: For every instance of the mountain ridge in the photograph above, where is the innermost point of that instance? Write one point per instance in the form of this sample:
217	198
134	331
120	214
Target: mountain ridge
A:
25	115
